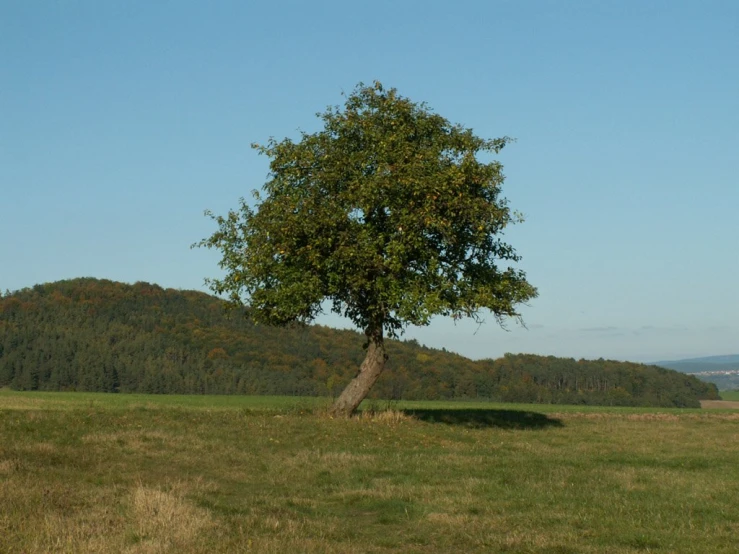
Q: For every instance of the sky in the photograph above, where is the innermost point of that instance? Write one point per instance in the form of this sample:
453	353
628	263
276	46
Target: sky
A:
122	121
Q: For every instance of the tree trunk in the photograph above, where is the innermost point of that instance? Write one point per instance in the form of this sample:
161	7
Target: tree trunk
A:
371	368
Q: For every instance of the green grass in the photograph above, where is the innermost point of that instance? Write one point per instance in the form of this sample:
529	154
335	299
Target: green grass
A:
732	395
75	400
118	473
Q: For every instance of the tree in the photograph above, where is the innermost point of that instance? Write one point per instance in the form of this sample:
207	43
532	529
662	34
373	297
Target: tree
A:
386	213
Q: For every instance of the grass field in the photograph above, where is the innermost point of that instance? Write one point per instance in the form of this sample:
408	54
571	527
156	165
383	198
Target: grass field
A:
730	395
157	474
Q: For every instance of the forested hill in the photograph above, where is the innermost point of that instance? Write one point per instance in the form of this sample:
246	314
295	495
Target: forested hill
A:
98	335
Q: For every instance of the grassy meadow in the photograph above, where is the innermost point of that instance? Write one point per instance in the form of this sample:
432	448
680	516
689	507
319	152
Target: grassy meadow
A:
158	474
732	395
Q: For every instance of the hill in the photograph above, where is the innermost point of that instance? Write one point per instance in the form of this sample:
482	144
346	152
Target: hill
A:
723	371
98	335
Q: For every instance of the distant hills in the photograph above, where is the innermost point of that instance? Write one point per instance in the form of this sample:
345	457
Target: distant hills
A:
98	335
699	364
723	371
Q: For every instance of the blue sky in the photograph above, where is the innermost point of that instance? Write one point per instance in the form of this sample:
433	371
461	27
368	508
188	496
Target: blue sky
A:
120	122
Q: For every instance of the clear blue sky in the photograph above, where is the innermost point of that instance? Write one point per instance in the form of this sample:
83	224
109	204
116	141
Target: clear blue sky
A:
120	122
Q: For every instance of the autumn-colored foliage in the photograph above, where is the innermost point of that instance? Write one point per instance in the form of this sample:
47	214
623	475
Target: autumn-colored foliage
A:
98	335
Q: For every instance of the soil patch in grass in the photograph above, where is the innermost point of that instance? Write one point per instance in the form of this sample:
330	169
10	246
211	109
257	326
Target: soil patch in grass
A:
719	405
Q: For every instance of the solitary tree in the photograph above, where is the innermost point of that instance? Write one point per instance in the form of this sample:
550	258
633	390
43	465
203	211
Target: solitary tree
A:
387	215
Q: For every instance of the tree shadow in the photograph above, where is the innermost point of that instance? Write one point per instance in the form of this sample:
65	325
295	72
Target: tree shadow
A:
483	417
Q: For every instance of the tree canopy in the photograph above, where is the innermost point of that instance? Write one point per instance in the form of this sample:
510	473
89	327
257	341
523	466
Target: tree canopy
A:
388	213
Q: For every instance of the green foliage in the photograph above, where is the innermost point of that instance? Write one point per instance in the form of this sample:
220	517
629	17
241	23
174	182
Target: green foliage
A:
387	213
97	335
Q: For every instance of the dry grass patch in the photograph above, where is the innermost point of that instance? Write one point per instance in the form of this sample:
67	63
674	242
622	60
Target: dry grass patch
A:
389	417
42	448
652	417
9	466
720	404
17	402
99	529
40	517
165	521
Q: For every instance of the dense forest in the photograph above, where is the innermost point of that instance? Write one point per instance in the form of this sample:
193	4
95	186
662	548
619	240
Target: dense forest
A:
98	335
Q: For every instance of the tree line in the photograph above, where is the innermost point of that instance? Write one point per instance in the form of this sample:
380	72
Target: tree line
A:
98	335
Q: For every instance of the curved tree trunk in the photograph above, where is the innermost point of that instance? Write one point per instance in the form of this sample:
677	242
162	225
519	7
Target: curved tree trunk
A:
371	368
